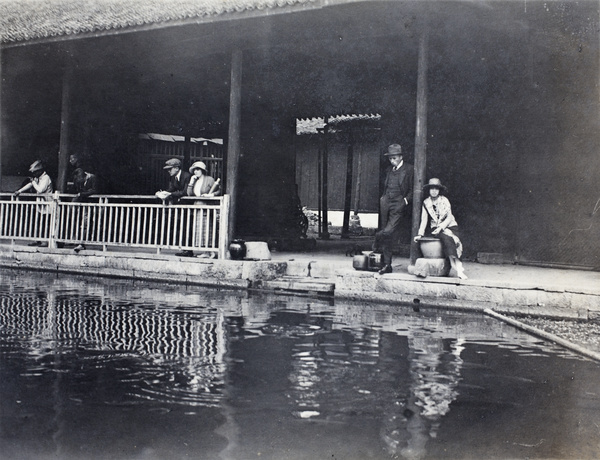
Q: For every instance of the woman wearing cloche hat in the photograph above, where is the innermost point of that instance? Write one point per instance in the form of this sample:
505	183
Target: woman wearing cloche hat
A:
437	212
202	185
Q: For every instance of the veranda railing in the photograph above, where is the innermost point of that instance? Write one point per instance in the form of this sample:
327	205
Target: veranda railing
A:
117	220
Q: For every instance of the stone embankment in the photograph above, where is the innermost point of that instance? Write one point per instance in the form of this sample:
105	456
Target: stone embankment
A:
509	289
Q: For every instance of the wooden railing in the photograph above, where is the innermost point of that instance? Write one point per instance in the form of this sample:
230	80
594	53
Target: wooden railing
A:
117	221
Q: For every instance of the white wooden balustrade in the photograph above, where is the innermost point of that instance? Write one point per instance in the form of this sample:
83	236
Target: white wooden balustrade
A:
117	221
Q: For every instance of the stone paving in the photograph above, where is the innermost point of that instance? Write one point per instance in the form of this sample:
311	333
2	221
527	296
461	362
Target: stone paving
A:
507	288
551	292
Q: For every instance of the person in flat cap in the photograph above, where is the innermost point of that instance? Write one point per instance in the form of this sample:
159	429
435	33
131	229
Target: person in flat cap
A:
397	195
40	181
437	221
178	182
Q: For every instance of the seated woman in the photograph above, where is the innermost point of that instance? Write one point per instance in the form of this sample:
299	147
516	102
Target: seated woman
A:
202	185
437	212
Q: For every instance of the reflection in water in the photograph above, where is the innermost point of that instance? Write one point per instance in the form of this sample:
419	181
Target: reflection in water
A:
435	374
182	355
166	372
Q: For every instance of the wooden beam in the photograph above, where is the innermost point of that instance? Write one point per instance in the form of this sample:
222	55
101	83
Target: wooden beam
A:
1	47
349	180
420	144
320	190
187	147
234	138
65	121
324	204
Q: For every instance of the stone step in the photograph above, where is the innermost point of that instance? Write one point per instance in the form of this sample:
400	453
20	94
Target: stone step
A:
301	285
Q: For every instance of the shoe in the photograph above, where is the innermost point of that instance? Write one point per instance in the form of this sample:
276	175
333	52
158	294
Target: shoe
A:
185	254
79	247
386	269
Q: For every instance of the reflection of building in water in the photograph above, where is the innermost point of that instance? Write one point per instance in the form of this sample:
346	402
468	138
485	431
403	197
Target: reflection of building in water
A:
193	346
435	374
406	368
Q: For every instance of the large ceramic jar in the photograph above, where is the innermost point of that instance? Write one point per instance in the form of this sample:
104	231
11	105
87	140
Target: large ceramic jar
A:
237	249
431	248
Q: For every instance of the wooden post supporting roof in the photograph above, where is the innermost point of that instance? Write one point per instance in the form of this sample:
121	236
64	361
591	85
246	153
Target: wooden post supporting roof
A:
65	116
233	138
324	182
0	117
349	180
420	145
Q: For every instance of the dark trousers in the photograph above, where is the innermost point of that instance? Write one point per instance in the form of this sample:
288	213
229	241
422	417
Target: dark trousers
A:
392	215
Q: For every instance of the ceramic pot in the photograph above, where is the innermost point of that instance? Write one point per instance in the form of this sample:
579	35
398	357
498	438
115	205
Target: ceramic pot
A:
237	249
431	248
360	262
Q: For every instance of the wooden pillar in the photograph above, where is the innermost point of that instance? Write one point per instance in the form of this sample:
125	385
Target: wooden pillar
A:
320	190
324	204
420	144
233	138
1	159
358	180
349	180
65	115
187	154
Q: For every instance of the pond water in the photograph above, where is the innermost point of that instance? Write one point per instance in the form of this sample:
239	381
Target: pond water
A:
116	369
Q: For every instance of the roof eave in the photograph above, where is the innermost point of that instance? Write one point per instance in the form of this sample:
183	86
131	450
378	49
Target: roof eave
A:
208	19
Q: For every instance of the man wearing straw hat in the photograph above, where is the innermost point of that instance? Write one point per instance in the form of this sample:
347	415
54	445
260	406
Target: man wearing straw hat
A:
397	194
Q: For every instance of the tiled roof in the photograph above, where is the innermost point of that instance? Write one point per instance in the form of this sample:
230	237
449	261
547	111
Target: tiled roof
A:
313	125
25	20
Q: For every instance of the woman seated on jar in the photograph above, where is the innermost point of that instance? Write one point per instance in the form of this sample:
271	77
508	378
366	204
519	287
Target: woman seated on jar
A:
203	186
437	212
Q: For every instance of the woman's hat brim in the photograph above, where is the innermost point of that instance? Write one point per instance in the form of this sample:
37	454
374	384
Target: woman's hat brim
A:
438	186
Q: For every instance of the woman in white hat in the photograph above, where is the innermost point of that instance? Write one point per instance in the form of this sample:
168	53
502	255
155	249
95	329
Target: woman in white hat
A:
203	185
437	212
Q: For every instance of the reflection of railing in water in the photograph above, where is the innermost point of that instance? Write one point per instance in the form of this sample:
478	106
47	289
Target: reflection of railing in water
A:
110	327
117	220
148	339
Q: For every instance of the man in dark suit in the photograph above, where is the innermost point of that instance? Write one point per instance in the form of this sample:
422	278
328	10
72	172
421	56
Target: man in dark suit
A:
397	194
85	185
178	182
178	185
